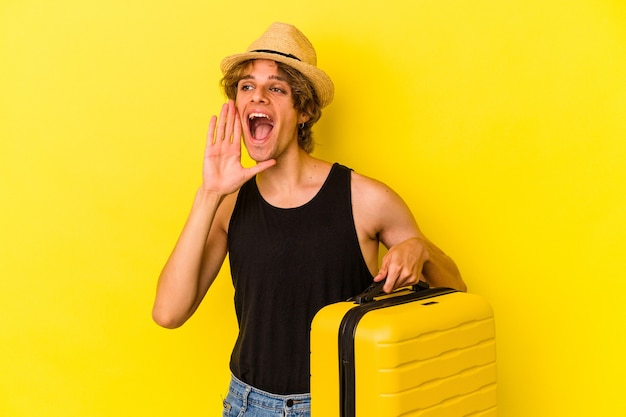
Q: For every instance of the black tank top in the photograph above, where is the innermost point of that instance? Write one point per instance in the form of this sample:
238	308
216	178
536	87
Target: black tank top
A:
286	264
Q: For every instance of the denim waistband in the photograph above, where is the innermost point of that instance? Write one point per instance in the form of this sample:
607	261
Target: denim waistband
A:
268	400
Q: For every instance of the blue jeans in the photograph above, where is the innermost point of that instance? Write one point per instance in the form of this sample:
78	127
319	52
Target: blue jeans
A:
246	401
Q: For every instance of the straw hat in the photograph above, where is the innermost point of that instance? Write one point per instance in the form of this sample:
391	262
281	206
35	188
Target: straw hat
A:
285	43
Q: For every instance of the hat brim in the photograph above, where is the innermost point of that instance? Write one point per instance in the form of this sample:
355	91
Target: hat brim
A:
324	87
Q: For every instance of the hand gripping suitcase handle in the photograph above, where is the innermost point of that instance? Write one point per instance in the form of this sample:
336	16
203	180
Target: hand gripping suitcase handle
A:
376	289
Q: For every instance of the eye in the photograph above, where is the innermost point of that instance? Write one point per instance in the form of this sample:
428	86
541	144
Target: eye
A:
279	90
246	87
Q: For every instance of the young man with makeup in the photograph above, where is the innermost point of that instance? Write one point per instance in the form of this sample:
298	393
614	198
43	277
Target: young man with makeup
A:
300	232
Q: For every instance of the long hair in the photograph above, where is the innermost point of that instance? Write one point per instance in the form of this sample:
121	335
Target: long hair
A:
303	96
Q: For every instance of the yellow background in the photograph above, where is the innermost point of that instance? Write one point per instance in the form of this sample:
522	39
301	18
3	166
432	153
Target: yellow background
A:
502	123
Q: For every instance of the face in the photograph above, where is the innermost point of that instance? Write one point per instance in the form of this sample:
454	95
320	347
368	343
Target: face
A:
269	120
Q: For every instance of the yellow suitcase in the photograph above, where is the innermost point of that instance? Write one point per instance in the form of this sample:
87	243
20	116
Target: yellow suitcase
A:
419	352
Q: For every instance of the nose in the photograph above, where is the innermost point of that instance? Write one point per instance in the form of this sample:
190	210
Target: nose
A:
258	96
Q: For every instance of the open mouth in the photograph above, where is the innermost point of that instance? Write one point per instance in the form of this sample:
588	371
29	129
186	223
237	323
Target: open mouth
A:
260	125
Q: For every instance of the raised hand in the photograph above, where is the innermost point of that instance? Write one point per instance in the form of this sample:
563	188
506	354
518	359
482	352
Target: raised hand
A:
222	172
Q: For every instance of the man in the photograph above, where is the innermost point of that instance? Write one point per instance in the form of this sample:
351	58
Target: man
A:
300	232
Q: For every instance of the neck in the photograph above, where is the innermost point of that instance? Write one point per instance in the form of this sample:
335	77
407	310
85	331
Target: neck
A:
293	182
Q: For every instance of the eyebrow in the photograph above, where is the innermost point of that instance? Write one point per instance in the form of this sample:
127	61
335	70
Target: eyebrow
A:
271	77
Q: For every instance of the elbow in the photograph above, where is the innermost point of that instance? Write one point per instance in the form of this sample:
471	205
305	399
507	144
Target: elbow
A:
456	280
166	320
458	283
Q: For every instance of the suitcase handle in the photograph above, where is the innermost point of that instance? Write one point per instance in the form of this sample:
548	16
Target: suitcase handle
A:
376	289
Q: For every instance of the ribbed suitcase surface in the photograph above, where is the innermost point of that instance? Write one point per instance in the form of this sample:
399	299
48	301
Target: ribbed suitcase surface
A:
431	355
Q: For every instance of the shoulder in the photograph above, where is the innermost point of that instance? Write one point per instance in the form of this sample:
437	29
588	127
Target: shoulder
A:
374	203
371	190
380	212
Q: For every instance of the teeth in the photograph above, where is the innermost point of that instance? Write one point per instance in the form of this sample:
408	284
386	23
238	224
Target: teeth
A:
255	115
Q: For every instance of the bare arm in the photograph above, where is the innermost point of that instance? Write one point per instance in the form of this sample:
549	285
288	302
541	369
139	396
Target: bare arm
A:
193	264
201	248
384	217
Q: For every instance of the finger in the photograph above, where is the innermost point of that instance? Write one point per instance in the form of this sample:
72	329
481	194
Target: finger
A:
210	136
382	273
237	132
262	166
230	120
392	278
221	124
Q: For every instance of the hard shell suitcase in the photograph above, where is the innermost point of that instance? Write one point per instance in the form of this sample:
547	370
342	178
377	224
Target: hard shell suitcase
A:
420	352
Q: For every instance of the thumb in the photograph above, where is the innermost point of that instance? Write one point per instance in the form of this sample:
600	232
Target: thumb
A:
259	167
262	166
382	273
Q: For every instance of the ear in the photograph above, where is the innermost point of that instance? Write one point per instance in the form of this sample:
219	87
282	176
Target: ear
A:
303	118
